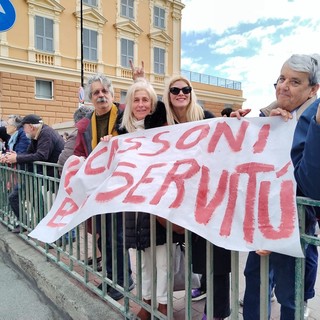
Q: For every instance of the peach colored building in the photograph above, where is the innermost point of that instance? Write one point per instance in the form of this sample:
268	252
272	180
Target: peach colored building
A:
42	64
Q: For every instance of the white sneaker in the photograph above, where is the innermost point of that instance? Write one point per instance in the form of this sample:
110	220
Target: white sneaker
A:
306	310
272	298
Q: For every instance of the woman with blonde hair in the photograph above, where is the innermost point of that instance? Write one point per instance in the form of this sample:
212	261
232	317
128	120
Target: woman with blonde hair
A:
181	102
180	106
134	114
144	111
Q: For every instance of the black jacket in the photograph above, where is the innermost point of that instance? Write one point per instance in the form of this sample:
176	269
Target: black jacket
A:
47	148
138	224
138	231
156	119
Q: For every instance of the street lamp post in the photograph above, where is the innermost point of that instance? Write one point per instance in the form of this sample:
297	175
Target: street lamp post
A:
81	36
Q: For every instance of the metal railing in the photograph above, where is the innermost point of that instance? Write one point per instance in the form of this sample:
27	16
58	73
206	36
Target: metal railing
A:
211	80
81	259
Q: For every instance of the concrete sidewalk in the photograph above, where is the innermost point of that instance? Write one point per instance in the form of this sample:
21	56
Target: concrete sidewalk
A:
198	307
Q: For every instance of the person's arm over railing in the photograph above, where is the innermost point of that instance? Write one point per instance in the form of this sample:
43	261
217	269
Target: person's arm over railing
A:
305	152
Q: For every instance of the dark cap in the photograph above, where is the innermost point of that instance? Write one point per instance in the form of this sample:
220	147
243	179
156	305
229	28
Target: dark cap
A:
31	119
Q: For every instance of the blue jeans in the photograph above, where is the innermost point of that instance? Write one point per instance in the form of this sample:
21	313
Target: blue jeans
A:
310	274
120	247
281	274
310	271
73	234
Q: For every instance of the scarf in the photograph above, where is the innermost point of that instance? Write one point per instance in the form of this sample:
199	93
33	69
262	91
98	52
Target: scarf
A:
138	124
12	141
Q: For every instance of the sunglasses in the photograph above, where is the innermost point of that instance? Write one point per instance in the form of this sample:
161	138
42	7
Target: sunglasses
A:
176	91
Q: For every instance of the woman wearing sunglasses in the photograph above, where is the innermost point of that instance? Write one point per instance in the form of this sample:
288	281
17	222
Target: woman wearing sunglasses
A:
181	106
181	102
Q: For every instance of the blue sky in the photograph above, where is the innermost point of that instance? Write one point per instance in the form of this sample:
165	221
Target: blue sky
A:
248	41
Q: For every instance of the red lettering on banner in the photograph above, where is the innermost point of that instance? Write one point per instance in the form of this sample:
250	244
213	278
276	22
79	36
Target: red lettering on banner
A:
178	179
226	224
68	207
88	169
287	205
263	135
113	151
135	144
71	171
156	139
251	169
205	210
108	195
283	170
130	197
235	143
203	133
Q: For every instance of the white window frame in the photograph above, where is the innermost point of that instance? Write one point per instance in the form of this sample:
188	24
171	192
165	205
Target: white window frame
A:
91	3
40	89
123	94
159	17
90	53
127	9
158	65
45	38
125	55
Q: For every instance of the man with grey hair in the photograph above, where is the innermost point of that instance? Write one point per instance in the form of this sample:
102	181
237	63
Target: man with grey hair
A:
95	125
101	121
46	143
296	91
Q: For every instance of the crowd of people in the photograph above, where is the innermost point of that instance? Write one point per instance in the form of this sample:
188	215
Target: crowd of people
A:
26	140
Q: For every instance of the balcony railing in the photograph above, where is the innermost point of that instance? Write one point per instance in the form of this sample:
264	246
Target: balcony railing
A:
44	58
211	80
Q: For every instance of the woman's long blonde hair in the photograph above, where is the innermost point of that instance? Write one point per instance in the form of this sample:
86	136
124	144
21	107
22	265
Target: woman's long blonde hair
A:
128	120
194	111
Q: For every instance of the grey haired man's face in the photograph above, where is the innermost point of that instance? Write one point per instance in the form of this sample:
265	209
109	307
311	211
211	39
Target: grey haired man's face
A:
101	99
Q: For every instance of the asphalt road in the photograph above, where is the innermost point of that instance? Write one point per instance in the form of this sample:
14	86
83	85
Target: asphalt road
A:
20	298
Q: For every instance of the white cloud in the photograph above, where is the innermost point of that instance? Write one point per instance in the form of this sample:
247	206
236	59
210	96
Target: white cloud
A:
253	56
217	16
193	65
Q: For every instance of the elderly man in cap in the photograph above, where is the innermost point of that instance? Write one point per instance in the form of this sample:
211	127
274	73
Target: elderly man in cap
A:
46	145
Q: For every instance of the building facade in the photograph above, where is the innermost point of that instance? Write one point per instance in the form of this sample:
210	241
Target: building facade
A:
54	45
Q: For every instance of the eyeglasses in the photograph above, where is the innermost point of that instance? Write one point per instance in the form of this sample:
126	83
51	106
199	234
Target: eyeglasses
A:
176	90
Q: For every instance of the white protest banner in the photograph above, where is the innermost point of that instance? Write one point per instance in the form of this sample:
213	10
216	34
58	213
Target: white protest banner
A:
227	180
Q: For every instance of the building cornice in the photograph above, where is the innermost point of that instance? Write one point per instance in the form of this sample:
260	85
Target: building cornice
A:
91	15
51	5
128	26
